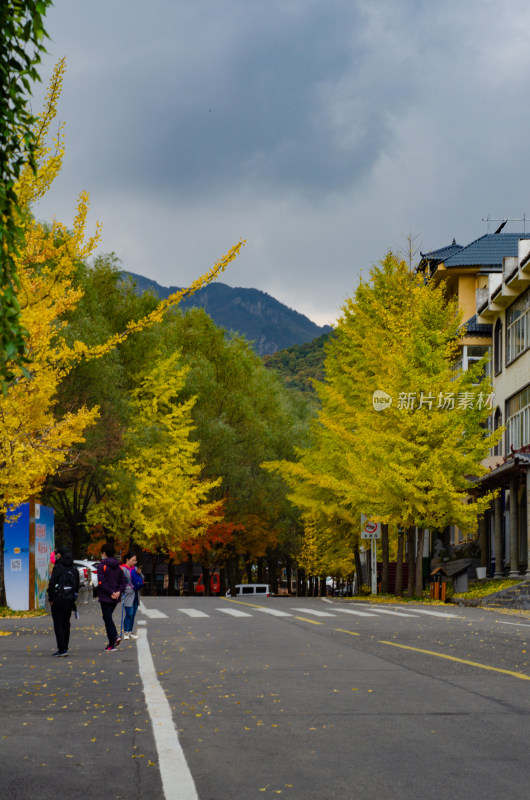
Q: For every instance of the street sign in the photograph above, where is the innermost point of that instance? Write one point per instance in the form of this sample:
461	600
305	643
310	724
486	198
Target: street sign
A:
370	530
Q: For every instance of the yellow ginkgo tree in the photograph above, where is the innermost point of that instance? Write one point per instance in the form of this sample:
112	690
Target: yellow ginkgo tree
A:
411	462
34	439
154	494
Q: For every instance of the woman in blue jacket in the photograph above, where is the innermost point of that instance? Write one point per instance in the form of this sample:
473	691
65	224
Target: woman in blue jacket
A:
135	582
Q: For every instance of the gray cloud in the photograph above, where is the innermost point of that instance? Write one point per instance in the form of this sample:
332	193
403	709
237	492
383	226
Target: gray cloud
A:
322	133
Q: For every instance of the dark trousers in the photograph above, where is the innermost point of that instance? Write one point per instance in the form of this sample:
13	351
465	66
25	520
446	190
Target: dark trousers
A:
107	609
61	625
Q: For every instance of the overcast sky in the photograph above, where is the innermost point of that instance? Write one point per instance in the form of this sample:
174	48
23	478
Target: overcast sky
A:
321	131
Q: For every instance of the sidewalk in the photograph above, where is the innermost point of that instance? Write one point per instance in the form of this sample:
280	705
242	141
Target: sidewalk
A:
73	727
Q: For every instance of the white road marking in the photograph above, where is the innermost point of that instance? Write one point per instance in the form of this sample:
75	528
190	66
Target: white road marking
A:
174	770
315	613
502	622
193	612
234	612
152	613
275	612
357	613
433	613
387	611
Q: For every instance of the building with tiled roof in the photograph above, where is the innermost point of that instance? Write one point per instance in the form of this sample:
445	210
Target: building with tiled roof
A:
490	278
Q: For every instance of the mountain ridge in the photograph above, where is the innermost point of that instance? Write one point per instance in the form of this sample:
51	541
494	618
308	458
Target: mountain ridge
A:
265	322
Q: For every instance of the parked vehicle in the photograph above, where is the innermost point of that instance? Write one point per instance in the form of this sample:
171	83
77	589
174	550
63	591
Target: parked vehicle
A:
92	567
256	589
215	584
85	579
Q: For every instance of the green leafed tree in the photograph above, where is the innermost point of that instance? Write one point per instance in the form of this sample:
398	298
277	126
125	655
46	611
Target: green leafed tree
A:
22	37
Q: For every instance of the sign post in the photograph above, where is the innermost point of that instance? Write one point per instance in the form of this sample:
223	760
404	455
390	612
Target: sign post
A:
371	530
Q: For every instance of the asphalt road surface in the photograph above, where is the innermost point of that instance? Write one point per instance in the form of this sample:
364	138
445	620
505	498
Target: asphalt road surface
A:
227	700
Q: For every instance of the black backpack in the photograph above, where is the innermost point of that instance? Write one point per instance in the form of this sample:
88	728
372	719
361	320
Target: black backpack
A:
64	590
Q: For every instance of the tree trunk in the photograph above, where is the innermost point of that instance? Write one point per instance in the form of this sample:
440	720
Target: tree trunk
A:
273	574
302	583
190	576
419	563
153	574
260	570
358	567
248	568
289	575
411	559
3	598
398	589
206	581
384	557
231	568
222	581
171	578
323	587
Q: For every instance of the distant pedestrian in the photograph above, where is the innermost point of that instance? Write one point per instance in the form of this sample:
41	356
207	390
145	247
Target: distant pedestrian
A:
111	585
63	588
138	581
130	601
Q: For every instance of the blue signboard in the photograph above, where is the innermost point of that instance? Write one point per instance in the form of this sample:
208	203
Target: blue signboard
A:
16	558
22	551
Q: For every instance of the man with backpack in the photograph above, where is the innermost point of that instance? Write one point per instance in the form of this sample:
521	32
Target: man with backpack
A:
63	588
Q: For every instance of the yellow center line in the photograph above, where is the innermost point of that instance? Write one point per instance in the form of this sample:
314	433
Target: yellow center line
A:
241	602
519	675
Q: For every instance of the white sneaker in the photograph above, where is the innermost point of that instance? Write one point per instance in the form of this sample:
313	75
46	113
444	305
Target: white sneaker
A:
132	636
126	635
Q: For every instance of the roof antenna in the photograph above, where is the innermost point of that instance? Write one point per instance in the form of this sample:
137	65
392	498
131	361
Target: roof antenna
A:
504	220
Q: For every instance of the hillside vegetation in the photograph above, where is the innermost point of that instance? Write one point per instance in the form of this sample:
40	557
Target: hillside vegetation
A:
300	364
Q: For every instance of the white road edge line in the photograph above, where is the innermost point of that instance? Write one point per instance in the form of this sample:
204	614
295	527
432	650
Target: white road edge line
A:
502	622
172	764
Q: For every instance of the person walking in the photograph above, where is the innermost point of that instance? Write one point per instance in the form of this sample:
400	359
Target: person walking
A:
63	588
111	585
137	581
129	597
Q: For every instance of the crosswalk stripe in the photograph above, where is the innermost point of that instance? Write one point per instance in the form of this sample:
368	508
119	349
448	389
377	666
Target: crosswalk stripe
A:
153	613
357	613
433	613
388	611
233	612
315	613
193	612
275	613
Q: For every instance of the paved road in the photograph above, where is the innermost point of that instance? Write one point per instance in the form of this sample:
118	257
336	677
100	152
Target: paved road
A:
292	697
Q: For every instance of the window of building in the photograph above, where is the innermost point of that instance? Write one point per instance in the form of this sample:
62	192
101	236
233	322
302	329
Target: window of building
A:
474	354
518	420
497	347
469	354
497	423
518	327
